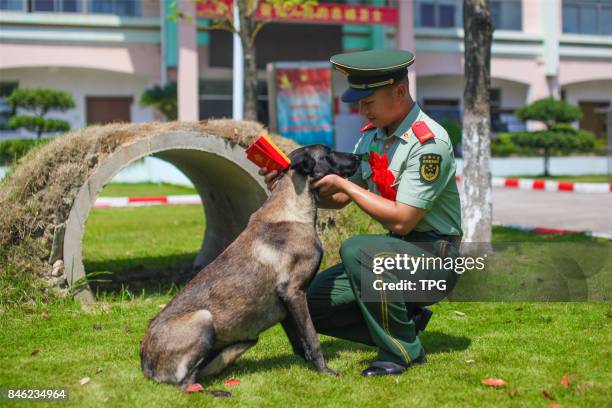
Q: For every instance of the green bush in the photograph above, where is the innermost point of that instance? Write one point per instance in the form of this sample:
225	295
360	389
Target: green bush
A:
163	99
12	150
39	101
453	128
503	146
550	111
561	138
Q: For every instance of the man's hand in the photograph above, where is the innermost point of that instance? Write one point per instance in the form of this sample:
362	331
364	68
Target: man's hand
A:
269	177
329	185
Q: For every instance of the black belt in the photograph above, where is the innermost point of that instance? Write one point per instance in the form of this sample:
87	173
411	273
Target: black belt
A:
419	236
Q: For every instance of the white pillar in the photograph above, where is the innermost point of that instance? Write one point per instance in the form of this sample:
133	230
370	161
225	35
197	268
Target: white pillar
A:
238	74
405	39
551	27
188	78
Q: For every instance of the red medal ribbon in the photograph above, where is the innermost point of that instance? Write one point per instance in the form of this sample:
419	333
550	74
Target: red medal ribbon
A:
382	176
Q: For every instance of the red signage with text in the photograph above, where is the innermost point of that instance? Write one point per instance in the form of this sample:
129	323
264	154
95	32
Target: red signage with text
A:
319	13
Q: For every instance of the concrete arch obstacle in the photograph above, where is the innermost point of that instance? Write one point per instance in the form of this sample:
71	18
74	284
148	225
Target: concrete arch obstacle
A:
210	153
227	183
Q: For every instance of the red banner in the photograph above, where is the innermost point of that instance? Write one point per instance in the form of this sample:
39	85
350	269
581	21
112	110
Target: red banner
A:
320	13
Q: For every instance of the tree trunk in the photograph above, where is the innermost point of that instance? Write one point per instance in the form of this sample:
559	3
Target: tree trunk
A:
546	162
247	26
476	180
250	86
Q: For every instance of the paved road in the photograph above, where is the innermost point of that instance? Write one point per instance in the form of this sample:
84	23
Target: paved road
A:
571	211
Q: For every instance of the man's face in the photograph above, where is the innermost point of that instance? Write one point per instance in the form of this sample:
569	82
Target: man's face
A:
383	106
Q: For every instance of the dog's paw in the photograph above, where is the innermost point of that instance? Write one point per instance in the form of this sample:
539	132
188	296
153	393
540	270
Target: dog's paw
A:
331	372
300	353
195	387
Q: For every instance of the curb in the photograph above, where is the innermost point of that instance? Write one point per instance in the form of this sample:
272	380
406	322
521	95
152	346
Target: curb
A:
108	202
555	231
549	185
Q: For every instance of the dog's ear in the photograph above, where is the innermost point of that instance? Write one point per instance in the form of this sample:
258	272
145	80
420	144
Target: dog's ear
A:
303	164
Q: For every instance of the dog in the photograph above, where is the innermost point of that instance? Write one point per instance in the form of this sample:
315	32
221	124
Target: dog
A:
257	281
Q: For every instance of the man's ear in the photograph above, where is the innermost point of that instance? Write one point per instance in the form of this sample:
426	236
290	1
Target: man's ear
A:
303	164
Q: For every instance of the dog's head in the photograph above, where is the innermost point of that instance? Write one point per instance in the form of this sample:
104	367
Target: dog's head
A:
317	160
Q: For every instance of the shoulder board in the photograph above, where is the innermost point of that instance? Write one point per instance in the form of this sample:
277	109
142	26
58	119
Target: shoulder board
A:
422	131
367	127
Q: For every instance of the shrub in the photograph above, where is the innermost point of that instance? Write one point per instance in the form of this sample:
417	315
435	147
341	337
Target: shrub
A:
12	150
550	111
164	99
39	101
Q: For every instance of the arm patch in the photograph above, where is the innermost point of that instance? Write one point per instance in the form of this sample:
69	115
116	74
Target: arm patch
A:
429	167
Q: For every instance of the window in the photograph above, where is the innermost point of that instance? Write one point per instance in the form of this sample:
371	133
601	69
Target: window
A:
11	5
592	17
216	99
5	109
60	6
438	13
503	120
117	7
442	109
276	42
507	14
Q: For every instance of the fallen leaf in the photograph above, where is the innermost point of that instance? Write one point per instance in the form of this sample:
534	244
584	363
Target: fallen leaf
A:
45	314
232	382
220	393
565	381
84	380
494	382
585	386
194	388
470	361
35	352
458	313
547	395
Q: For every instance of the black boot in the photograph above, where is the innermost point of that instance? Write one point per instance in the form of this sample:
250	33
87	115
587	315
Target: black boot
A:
378	368
421	318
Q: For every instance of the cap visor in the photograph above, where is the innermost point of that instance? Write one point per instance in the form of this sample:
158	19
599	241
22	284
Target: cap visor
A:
353	95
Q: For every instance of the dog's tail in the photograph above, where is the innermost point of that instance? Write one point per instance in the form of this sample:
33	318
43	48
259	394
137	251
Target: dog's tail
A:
146	364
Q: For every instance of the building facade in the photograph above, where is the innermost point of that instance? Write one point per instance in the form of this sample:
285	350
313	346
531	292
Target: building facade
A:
107	52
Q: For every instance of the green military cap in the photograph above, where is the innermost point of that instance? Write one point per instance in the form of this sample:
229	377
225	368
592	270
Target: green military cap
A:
368	70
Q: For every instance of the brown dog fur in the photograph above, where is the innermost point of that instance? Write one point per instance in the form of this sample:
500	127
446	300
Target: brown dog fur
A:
257	281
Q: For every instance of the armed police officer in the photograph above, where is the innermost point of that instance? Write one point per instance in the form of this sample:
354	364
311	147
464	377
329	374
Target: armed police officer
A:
406	183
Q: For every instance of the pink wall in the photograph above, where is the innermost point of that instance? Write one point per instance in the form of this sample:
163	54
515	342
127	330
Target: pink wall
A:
439	64
580	70
142	59
532	17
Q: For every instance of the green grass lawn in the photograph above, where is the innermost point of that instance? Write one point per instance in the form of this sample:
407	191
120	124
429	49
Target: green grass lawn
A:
144	189
531	345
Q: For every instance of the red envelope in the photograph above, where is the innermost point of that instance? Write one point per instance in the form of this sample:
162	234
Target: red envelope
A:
264	153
